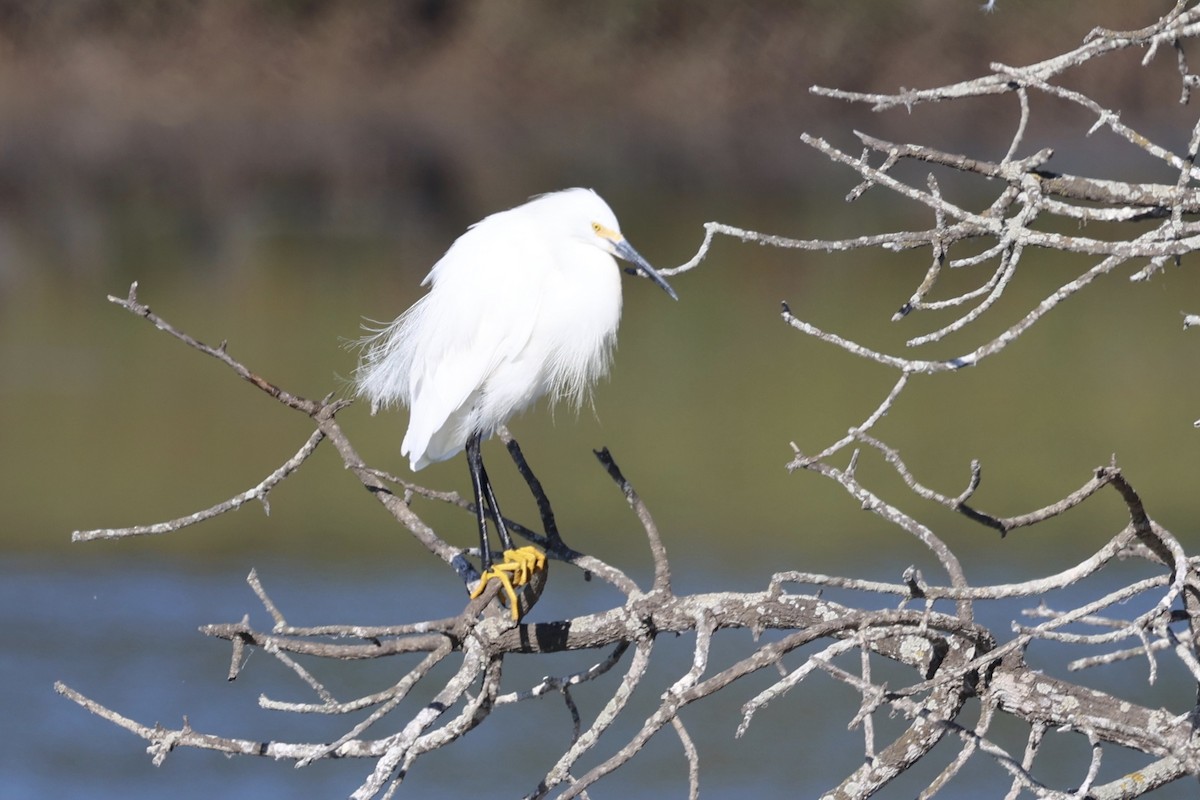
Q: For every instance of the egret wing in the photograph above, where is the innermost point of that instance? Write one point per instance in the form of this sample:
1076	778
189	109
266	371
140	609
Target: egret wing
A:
478	316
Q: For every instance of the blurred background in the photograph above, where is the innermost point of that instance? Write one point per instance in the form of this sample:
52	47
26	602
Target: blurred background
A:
273	172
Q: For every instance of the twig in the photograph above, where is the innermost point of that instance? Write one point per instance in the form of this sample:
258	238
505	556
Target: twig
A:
131	304
662	568
258	492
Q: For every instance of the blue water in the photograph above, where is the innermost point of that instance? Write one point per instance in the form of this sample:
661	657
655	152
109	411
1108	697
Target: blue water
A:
126	635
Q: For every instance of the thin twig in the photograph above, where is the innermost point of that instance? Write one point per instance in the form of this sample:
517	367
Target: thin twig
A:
258	492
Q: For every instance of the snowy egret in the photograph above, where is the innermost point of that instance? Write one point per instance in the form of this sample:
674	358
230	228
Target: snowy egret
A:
524	304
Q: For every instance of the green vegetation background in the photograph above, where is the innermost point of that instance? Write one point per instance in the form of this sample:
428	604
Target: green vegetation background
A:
272	172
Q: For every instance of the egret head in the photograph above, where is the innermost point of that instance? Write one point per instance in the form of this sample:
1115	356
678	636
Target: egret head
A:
603	231
611	240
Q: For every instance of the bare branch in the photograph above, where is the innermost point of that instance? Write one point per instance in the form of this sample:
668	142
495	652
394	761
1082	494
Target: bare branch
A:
953	657
258	492
662	569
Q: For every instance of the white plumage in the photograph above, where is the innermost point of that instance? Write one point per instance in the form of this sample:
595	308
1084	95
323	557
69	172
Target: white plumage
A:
524	304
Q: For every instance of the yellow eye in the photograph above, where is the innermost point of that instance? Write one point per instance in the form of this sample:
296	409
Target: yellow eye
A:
605	232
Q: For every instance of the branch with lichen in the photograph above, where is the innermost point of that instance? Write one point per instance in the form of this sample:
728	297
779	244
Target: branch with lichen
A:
930	626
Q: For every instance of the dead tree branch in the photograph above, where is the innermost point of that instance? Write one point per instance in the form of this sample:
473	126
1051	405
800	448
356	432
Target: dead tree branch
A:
929	627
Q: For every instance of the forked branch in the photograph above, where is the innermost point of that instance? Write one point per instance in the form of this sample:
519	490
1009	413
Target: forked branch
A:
930	627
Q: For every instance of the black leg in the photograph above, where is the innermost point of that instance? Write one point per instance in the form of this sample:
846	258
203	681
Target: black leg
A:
478	477
506	542
523	565
485	502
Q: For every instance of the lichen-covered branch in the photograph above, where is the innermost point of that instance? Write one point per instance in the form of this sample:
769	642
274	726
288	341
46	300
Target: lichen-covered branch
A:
930	627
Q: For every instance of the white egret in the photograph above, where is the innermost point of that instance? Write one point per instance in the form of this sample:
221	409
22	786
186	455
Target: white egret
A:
524	304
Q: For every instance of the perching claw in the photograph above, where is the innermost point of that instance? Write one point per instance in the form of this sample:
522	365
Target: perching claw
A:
518	569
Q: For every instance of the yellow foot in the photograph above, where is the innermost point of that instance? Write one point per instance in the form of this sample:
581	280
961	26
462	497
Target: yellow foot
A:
516	570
